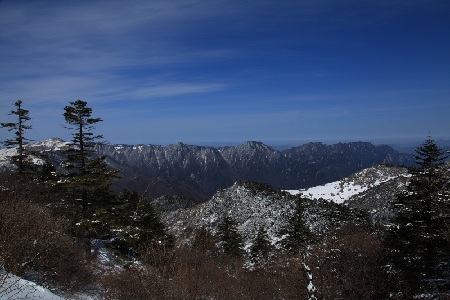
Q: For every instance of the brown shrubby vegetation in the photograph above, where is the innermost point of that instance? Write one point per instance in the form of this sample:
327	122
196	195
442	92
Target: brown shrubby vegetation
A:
199	271
35	242
348	264
31	189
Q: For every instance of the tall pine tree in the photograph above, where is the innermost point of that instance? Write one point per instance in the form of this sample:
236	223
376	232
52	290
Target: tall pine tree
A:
21	159
87	173
418	243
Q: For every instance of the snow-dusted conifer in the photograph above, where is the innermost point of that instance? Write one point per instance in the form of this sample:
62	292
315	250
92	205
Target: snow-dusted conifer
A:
21	159
261	245
418	236
86	173
134	222
297	234
230	239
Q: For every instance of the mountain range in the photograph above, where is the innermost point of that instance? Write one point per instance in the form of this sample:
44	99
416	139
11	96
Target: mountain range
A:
199	171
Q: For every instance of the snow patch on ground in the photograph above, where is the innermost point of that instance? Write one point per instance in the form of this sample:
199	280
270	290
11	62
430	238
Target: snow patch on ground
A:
343	190
333	191
13	287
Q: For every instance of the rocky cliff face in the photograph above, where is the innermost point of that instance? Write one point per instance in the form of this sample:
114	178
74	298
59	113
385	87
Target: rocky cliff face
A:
200	171
174	169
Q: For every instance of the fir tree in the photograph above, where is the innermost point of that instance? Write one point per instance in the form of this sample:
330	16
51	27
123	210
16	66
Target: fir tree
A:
146	223
428	157
297	234
47	172
87	174
21	159
418	236
261	245
230	239
133	221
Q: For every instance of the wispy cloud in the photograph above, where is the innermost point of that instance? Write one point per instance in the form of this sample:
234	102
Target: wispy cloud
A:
272	65
50	47
176	89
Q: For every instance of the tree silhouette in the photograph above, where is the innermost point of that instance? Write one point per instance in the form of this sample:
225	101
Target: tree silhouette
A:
21	159
297	234
418	236
261	245
87	174
231	239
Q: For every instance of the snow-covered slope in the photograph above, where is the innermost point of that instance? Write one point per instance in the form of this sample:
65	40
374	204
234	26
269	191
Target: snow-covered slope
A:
5	157
343	190
253	206
53	144
13	287
50	145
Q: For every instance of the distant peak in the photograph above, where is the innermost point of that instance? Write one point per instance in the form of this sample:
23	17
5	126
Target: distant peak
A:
255	145
52	143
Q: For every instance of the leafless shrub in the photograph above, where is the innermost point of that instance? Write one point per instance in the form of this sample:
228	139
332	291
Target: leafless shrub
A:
133	283
347	265
32	241
200	271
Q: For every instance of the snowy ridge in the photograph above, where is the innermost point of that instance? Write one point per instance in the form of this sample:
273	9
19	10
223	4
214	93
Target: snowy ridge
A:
50	145
253	206
343	190
250	208
206	169
199	171
53	144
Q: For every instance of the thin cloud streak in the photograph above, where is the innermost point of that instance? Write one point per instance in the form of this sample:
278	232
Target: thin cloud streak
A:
269	66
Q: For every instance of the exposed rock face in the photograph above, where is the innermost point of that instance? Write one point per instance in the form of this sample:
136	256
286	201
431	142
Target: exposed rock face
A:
198	171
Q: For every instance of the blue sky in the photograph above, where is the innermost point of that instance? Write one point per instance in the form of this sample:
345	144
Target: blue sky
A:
219	71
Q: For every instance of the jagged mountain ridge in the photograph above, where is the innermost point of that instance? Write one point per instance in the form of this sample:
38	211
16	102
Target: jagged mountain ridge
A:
199	171
206	169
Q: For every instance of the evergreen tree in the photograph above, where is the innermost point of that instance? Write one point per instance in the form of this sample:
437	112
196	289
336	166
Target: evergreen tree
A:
297	234
134	221
261	245
428	157
21	159
87	174
418	237
47	172
146	223
230	239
